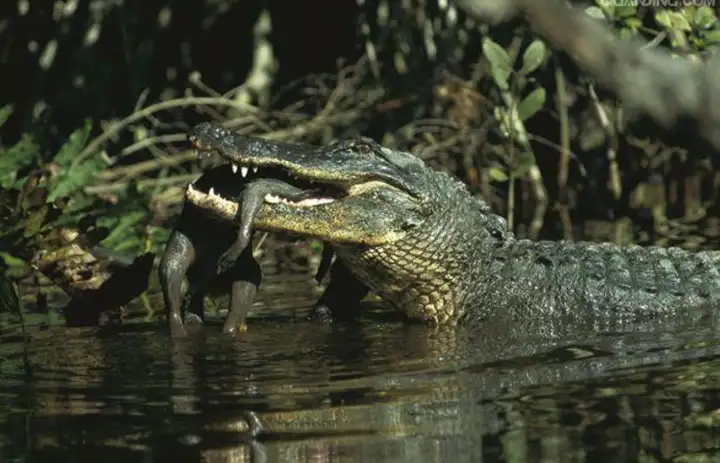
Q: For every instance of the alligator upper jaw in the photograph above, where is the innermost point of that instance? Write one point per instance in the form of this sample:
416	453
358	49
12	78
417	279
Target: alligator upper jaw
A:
227	181
343	166
323	188
353	196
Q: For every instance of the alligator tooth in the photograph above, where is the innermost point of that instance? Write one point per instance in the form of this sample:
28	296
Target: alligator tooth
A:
244	171
234	168
190	187
212	191
272	199
255	169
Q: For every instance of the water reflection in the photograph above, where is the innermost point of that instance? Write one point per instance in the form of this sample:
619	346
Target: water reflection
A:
371	391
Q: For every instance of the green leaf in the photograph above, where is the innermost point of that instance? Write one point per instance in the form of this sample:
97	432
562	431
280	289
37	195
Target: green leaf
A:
497	174
123	229
663	18
595	12
34	222
73	178
672	20
533	57
712	37
15	158
681	22
704	18
625	33
625	11
633	24
76	142
500	66
9	300
77	207
532	103
11	261
5	112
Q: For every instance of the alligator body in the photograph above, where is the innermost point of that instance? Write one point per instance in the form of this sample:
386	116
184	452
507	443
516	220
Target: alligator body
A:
415	236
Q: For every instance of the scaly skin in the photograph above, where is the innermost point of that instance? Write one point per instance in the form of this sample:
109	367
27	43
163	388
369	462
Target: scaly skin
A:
416	237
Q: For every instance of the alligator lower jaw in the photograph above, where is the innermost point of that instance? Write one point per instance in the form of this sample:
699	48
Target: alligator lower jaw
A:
227	209
275	169
219	206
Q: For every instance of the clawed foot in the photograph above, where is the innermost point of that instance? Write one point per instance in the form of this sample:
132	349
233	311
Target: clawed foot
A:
233	329
228	259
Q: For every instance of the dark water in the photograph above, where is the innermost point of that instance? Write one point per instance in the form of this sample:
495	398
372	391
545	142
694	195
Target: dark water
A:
377	390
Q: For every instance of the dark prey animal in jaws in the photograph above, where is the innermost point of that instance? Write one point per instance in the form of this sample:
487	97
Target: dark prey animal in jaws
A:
204	255
415	236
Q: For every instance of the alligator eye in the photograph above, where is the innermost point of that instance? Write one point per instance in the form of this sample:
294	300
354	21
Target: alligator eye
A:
362	146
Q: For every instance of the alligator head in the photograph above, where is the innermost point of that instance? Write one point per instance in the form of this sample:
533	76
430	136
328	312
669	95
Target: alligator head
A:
409	232
352	181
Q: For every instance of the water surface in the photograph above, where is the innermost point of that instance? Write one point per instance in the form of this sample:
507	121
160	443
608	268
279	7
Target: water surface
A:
376	390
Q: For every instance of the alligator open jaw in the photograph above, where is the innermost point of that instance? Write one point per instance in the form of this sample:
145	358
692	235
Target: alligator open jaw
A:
317	194
355	192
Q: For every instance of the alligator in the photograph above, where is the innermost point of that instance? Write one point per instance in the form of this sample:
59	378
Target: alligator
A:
418	238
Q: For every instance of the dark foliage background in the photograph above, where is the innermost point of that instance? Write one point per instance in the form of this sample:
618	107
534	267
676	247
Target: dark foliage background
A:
96	97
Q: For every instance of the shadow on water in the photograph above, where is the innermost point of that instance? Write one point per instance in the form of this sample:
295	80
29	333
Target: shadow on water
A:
366	391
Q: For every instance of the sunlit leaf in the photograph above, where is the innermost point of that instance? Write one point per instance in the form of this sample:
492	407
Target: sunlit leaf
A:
704	17
5	112
663	18
623	11
500	66
73	178
595	12
712	37
633	24
497	174
11	261
532	103
72	147
533	57
672	20
15	158
34	222
123	229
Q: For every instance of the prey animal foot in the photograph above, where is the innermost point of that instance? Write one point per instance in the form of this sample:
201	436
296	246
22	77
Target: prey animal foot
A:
230	330
228	259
